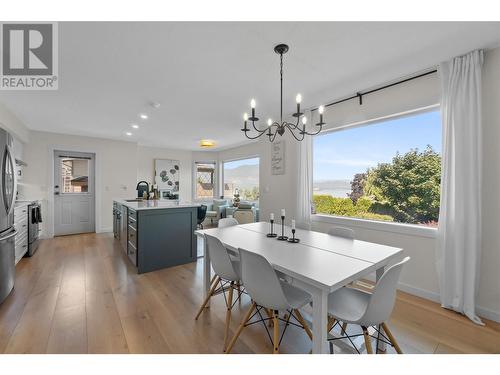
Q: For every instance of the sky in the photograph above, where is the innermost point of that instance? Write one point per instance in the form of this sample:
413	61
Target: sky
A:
239	163
341	154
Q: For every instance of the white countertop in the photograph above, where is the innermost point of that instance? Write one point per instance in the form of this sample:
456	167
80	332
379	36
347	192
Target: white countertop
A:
24	202
155	204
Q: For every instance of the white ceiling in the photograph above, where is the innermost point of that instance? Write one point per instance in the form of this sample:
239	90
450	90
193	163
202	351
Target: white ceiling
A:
204	74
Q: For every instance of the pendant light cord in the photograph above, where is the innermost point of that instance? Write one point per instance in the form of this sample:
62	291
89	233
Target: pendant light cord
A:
281	90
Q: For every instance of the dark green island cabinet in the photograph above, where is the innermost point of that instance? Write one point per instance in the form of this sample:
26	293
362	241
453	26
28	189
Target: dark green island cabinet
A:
159	234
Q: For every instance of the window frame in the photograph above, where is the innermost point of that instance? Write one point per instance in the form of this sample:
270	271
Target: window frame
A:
378	225
194	184
255	156
61	182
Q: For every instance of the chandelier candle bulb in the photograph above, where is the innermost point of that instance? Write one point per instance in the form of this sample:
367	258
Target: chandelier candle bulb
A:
245	119
321	109
298	99
252	105
269	122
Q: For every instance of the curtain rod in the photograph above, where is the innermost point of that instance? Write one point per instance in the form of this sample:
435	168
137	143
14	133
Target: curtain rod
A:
359	95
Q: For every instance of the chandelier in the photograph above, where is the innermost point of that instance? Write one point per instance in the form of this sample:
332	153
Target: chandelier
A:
297	128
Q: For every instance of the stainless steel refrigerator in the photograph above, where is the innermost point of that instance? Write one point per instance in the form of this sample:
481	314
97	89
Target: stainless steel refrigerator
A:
8	188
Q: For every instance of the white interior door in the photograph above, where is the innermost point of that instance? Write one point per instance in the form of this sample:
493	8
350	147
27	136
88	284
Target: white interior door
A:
74	192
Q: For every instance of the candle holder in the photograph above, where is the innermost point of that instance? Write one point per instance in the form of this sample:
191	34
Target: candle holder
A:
282	237
293	239
272	234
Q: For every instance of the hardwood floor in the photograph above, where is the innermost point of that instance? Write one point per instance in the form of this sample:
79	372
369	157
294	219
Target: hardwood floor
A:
79	294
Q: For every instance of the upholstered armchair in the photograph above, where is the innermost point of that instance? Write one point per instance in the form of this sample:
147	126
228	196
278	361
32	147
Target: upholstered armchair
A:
247	212
217	209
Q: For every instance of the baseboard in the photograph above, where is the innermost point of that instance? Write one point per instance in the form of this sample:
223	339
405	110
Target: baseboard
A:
104	230
488	314
434	297
426	294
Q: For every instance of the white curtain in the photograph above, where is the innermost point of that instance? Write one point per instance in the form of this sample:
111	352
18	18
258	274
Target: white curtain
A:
304	183
459	233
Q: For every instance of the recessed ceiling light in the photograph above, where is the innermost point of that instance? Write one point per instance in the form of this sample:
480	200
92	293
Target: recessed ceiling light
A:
143	116
207	143
128	133
135	126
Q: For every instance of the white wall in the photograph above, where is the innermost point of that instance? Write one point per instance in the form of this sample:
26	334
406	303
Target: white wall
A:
19	131
116	174
13	125
419	276
146	163
119	165
244	151
489	286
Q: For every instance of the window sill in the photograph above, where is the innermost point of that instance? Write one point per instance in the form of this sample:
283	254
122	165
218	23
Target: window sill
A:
399	228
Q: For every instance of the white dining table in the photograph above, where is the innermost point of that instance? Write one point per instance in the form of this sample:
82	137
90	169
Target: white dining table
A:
319	263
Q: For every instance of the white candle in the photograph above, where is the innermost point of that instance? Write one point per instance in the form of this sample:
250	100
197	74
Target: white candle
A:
282	212
293	224
271	217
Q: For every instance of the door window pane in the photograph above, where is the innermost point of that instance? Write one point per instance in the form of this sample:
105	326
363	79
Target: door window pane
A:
205	180
74	175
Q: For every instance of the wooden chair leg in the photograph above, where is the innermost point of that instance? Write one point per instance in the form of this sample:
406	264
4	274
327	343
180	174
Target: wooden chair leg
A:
331	323
228	314
303	322
344	329
210	293
269	313
240	328
276	333
392	338
368	342
239	291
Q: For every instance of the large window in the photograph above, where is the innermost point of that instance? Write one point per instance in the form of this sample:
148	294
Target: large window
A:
242	176
205	174
388	170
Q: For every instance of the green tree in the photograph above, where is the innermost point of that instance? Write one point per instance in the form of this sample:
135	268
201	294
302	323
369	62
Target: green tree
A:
326	204
408	188
250	194
357	186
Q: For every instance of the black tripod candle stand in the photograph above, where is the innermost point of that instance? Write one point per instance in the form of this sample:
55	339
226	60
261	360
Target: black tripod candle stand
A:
282	237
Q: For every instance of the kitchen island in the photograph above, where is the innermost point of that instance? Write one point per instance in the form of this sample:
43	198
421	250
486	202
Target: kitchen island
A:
155	234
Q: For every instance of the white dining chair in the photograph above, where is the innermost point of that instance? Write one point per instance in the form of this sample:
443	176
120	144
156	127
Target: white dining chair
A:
269	293
346	233
341	232
227	279
365	309
227	222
